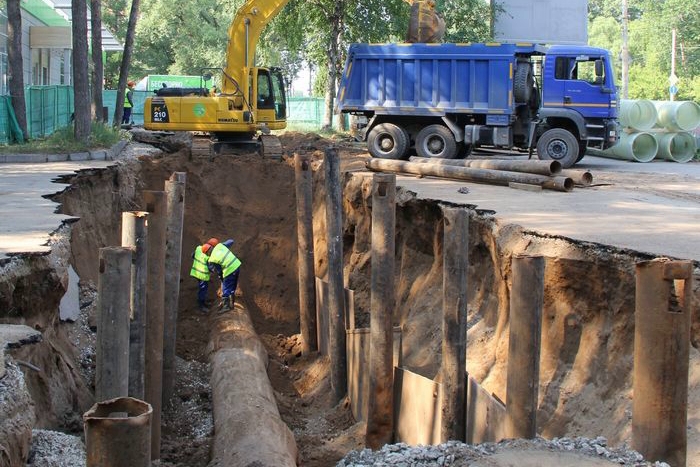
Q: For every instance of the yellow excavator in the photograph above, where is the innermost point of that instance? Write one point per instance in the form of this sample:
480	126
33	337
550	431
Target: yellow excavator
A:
251	100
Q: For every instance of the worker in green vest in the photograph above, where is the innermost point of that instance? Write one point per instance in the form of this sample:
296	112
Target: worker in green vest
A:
200	271
227	266
128	103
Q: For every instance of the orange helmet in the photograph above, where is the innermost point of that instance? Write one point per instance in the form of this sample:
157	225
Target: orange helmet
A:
131	84
213	241
206	248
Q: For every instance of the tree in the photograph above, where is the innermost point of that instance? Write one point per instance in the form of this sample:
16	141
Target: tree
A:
126	61
81	85
97	66
16	65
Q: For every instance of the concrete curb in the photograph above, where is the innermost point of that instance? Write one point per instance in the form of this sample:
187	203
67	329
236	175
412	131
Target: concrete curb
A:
93	155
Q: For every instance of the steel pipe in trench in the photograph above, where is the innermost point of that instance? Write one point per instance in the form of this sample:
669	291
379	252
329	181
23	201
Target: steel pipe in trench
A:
118	433
526	166
248	429
662	317
499	177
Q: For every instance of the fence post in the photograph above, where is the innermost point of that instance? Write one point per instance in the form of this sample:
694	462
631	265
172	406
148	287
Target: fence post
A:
380	413
335	299
455	257
663	301
526	301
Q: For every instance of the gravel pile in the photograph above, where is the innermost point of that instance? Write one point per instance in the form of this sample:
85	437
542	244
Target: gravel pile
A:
54	449
454	453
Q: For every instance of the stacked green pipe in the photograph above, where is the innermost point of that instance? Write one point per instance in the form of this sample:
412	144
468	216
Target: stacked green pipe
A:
656	130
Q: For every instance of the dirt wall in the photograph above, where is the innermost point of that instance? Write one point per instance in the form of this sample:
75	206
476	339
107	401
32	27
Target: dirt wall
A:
586	359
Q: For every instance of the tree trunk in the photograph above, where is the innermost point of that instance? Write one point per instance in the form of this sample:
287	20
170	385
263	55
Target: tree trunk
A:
81	85
97	65
16	65
126	62
336	23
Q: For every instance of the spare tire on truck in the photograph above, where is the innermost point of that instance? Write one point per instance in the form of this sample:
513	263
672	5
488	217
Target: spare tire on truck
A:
523	83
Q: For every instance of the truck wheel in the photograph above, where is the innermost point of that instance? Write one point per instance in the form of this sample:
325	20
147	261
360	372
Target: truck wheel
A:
436	141
523	82
387	141
559	145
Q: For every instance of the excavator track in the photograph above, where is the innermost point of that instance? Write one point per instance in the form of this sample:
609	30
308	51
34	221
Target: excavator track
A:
268	146
271	147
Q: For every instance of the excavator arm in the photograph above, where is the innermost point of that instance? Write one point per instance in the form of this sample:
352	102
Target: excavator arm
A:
243	36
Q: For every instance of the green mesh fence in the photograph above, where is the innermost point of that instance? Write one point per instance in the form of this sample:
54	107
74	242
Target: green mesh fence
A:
5	131
48	109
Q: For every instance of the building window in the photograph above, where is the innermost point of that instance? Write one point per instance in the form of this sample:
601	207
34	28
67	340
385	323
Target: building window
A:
40	67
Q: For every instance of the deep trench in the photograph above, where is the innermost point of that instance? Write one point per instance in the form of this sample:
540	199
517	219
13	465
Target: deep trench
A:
587	335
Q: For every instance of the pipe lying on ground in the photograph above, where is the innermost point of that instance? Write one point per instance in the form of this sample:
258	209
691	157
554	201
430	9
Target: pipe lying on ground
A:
677	147
529	166
580	177
248	429
639	114
498	177
638	147
678	115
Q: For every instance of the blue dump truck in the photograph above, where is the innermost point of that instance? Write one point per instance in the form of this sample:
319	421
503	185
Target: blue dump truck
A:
443	100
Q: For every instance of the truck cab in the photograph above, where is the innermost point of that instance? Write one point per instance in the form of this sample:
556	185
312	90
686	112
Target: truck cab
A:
578	94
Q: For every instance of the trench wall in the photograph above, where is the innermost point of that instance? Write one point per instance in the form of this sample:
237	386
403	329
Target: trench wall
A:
586	359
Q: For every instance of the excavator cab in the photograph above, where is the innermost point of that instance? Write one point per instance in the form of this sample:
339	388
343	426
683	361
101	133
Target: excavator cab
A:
270	98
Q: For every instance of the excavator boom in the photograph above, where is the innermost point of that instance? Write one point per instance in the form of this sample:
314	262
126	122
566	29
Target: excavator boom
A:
243	36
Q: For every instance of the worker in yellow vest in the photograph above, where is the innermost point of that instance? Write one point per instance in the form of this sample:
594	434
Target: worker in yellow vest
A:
200	271
128	103
227	267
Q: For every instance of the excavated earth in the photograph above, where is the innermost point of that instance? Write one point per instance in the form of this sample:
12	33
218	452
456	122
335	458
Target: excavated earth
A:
586	356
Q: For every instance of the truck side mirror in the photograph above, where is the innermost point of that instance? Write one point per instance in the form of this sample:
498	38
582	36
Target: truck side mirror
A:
599	72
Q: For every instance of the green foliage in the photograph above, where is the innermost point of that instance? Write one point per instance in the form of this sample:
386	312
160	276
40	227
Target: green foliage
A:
63	141
649	43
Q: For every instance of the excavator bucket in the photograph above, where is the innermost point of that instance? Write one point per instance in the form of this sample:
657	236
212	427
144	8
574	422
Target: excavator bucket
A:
425	25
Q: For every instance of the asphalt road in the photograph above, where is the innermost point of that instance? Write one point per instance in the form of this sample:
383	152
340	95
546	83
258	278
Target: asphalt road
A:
651	208
26	217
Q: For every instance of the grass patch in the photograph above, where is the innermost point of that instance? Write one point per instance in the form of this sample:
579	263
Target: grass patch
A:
63	141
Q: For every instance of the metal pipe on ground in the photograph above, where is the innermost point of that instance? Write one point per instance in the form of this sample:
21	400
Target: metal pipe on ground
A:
455	263
336	292
248	429
497	177
155	204
580	177
380	413
663	311
135	237
175	207
112	348
118	433
305	253
522	380
528	166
